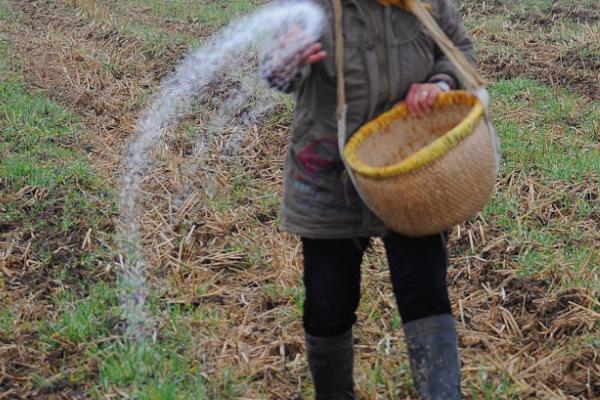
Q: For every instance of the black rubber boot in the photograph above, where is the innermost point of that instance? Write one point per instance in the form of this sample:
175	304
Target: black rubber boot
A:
331	364
433	353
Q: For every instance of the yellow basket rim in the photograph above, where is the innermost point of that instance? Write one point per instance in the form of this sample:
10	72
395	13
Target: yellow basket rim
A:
425	155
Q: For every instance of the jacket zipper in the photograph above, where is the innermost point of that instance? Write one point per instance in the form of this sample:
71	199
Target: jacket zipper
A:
387	18
381	56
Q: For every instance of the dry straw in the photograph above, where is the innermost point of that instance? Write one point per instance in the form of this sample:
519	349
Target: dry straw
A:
515	331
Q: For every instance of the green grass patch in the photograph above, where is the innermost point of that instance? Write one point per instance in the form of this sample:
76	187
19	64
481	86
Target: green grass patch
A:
547	138
3	10
7	319
492	388
168	368
48	186
50	199
82	321
150	372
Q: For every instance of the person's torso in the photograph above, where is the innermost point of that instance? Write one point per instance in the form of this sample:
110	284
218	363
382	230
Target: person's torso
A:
386	50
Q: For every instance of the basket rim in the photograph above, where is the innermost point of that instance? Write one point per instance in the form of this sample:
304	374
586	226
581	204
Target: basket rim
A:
425	155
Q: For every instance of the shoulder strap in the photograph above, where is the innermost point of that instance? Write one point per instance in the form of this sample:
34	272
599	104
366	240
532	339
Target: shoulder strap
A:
339	57
470	77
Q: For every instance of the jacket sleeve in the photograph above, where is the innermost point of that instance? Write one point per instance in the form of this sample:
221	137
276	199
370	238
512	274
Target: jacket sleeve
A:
449	20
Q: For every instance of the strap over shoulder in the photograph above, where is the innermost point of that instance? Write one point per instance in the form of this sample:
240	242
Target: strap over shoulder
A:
422	11
471	78
339	57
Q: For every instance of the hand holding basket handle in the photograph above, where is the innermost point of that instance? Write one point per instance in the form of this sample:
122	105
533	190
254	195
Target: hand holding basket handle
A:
421	98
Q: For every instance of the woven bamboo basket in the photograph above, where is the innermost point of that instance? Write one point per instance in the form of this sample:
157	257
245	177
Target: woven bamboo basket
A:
424	175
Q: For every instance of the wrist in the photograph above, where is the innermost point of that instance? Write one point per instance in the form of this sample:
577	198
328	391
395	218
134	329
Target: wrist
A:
441	77
443	85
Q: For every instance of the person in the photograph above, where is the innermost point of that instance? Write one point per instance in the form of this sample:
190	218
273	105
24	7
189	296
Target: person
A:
389	57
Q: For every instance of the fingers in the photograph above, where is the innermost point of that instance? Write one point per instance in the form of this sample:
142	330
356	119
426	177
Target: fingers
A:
282	69
411	99
312	49
421	98
416	99
314	53
320	56
431	97
315	58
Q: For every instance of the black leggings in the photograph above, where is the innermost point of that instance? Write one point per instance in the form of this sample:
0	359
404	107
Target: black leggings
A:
332	280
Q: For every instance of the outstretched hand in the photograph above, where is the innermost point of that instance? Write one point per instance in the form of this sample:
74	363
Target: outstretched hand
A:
421	97
281	64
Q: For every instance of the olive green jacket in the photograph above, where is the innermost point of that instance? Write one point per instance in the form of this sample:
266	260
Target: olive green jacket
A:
386	50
